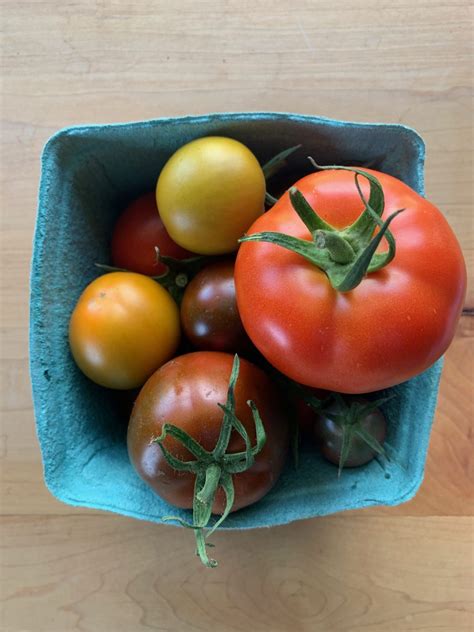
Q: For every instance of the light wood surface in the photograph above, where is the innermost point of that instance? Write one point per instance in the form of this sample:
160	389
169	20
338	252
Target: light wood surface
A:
386	569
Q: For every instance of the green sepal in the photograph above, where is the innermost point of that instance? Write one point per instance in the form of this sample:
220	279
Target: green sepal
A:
273	166
347	439
348	255
177	275
349	418
214	470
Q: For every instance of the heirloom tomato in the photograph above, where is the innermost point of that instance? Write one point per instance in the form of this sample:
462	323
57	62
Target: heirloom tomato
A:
186	392
336	300
209	313
208	432
350	433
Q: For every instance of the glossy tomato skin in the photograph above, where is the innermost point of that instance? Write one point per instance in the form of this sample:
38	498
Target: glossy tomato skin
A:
209	192
209	314
328	436
124	326
137	232
392	326
185	392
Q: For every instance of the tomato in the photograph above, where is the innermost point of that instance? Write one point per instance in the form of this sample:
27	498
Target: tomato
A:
393	325
138	230
209	192
186	392
209	313
123	328
360	430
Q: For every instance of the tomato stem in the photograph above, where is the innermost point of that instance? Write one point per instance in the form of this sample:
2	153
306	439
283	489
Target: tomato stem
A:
178	273
339	249
214	470
269	199
347	255
208	491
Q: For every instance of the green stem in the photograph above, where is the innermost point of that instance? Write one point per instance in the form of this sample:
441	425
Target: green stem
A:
227	485
347	439
211	483
177	276
178	273
346	255
339	248
214	470
365	259
349	416
269	199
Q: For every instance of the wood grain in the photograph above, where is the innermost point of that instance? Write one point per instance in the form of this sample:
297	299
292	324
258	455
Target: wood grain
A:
102	573
63	63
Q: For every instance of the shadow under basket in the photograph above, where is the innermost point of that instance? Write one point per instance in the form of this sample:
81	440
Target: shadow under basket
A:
88	175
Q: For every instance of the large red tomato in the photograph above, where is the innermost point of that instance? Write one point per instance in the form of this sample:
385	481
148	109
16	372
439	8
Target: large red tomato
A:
394	324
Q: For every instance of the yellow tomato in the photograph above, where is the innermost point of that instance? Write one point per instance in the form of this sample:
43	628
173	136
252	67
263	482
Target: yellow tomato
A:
123	328
209	193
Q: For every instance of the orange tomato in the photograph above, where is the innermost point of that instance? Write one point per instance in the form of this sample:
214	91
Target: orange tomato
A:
123	328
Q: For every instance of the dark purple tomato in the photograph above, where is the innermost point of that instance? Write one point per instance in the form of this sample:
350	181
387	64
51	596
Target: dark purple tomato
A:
209	313
186	392
328	434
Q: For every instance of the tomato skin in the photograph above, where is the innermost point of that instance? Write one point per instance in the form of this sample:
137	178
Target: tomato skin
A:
209	193
328	437
392	326
136	233
124	326
185	392
209	313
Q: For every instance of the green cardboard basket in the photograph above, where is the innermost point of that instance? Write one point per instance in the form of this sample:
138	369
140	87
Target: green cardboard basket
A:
88	174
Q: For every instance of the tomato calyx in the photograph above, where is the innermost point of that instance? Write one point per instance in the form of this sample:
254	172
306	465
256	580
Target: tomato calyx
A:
315	403
214	469
178	272
346	255
177	275
349	417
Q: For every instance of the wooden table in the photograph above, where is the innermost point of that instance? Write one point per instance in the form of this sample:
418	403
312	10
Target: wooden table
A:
386	569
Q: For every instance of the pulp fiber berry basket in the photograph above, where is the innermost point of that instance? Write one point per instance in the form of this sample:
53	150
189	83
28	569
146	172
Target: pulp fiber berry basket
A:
88	174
